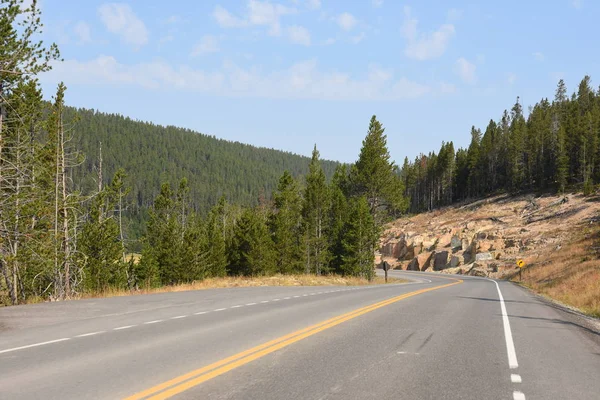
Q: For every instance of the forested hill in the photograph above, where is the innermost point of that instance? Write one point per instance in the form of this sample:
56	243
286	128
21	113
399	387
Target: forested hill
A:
152	154
554	148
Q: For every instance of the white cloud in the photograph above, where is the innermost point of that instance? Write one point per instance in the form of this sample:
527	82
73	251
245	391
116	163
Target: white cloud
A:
314	4
303	80
119	18
165	39
511	78
299	35
577	4
357	38
207	44
424	46
346	21
539	56
377	3
447	88
329	41
83	32
258	13
465	70
226	20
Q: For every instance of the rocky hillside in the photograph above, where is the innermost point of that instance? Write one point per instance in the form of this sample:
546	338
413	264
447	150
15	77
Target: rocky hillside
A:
487	237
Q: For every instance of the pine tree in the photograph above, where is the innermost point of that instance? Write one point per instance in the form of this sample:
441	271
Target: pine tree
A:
285	224
21	58
163	238
516	159
251	252
338	215
100	246
316	205
359	240
216	240
473	162
562	162
375	176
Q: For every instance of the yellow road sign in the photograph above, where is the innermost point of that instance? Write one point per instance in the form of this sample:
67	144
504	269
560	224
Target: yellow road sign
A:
520	263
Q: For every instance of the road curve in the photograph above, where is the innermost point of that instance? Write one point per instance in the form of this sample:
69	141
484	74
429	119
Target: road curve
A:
437	337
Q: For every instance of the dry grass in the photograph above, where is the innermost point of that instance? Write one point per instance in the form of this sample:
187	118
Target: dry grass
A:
133	256
228	282
570	275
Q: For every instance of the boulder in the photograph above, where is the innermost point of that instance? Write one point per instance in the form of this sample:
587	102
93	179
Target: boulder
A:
440	261
478	272
388	249
417	240
484	257
465	244
454	261
424	260
413	265
428	245
453	271
456	243
400	249
417	248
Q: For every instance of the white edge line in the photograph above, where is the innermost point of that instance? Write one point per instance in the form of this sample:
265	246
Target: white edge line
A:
510	344
518	395
34	345
123	327
90	334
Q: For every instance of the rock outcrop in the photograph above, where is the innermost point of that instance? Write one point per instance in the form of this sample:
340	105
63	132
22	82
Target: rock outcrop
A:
484	238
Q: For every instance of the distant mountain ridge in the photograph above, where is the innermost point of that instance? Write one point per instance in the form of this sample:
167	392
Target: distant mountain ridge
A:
152	154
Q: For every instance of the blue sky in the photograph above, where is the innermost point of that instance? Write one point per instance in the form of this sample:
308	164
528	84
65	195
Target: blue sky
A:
290	73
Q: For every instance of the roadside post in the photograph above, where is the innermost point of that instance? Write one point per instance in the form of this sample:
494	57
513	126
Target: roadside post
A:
521	265
385	267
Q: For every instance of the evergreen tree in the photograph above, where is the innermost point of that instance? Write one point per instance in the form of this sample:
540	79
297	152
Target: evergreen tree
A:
473	162
360	237
375	177
21	58
285	223
516	156
338	215
315	210
101	249
251	251
216	237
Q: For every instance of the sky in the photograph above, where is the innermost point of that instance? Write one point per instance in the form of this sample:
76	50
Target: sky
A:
288	74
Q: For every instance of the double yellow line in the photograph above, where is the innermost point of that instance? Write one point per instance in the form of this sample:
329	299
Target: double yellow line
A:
186	381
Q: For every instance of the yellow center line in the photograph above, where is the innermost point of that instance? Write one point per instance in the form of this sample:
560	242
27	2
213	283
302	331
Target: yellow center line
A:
193	378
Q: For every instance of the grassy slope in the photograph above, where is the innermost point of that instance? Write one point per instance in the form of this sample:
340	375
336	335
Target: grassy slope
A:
570	275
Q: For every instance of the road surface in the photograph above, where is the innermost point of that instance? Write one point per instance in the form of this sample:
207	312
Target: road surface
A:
438	337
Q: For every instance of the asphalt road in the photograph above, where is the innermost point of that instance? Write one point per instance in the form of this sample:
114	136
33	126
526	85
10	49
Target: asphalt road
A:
435	338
